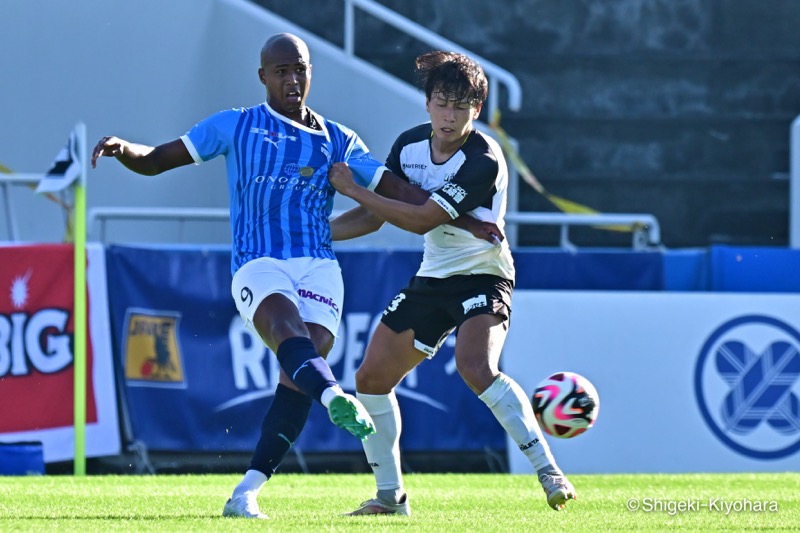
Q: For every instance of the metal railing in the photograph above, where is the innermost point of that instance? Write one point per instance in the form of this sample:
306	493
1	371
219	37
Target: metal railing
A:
6	180
101	215
495	74
645	229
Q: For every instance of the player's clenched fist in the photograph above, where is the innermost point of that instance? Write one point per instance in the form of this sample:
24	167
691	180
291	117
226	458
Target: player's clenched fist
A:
341	177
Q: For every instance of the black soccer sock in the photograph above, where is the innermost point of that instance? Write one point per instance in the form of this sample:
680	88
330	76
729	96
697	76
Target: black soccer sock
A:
304	366
285	419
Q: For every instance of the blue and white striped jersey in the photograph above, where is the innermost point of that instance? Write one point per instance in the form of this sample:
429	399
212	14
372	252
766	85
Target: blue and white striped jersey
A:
280	197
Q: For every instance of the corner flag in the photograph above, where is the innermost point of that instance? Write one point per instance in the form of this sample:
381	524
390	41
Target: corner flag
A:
70	167
65	169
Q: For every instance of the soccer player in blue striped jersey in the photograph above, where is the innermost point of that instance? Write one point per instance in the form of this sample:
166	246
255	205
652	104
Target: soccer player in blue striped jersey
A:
287	284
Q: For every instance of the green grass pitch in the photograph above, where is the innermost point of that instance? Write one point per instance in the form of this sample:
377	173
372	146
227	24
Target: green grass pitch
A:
440	502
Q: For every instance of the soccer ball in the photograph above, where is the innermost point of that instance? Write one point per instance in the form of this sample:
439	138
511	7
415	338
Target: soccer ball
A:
566	404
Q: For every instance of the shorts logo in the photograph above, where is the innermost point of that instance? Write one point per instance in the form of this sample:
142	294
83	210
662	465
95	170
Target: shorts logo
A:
303	293
427	350
456	192
247	296
394	303
747	383
152	357
473	303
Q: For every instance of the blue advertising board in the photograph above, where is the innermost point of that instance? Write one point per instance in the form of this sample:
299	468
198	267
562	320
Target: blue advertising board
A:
194	379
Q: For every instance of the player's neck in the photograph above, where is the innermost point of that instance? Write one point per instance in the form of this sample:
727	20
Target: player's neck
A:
302	116
307	119
441	151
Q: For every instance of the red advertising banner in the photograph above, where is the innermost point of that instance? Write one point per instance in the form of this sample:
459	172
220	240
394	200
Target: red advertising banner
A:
37	355
36	340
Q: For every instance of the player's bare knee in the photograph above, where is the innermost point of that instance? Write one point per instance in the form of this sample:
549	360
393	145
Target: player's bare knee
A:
277	331
322	339
365	380
476	374
371	381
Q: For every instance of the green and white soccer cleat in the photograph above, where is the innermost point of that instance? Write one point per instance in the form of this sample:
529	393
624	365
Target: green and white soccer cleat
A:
348	413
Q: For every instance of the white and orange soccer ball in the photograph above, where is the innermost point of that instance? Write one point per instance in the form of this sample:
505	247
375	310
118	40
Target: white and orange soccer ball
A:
566	404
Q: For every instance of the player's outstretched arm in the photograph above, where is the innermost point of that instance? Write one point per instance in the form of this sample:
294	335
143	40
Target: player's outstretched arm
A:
354	223
414	218
143	159
396	188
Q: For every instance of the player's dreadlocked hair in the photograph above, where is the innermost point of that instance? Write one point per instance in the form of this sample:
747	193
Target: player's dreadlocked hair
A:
454	75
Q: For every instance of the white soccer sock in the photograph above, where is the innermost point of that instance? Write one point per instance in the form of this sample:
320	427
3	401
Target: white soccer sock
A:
329	394
383	448
252	482
513	410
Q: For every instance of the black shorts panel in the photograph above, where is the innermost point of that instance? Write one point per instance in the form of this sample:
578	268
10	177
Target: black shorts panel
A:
434	307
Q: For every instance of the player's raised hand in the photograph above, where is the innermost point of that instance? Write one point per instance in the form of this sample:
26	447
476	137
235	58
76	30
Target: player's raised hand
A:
341	178
107	147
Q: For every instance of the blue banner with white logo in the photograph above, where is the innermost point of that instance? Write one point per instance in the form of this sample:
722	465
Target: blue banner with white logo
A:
194	379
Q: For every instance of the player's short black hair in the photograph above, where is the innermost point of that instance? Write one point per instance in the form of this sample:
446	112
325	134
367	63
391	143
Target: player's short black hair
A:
455	75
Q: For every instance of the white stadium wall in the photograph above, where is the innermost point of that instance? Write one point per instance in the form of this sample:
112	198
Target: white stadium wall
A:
148	71
653	358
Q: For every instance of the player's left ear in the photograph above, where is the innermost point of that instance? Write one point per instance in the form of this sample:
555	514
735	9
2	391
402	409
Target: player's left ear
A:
477	111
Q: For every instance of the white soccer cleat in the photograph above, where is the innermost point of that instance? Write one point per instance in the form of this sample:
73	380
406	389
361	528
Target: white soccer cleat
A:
348	413
378	505
557	489
244	506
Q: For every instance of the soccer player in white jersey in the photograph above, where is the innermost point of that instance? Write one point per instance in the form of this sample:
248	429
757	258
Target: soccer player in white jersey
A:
287	284
463	282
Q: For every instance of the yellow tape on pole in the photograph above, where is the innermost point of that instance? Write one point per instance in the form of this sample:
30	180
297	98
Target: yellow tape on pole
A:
567	206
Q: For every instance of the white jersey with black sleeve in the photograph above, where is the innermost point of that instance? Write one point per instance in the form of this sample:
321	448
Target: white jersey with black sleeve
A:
475	181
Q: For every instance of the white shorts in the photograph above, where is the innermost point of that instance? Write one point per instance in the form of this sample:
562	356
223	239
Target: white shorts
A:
313	284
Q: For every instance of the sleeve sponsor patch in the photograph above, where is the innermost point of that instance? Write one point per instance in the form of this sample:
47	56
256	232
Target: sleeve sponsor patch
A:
454	191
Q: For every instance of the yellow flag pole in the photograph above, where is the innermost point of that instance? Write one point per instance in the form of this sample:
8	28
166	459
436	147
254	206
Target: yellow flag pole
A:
80	307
